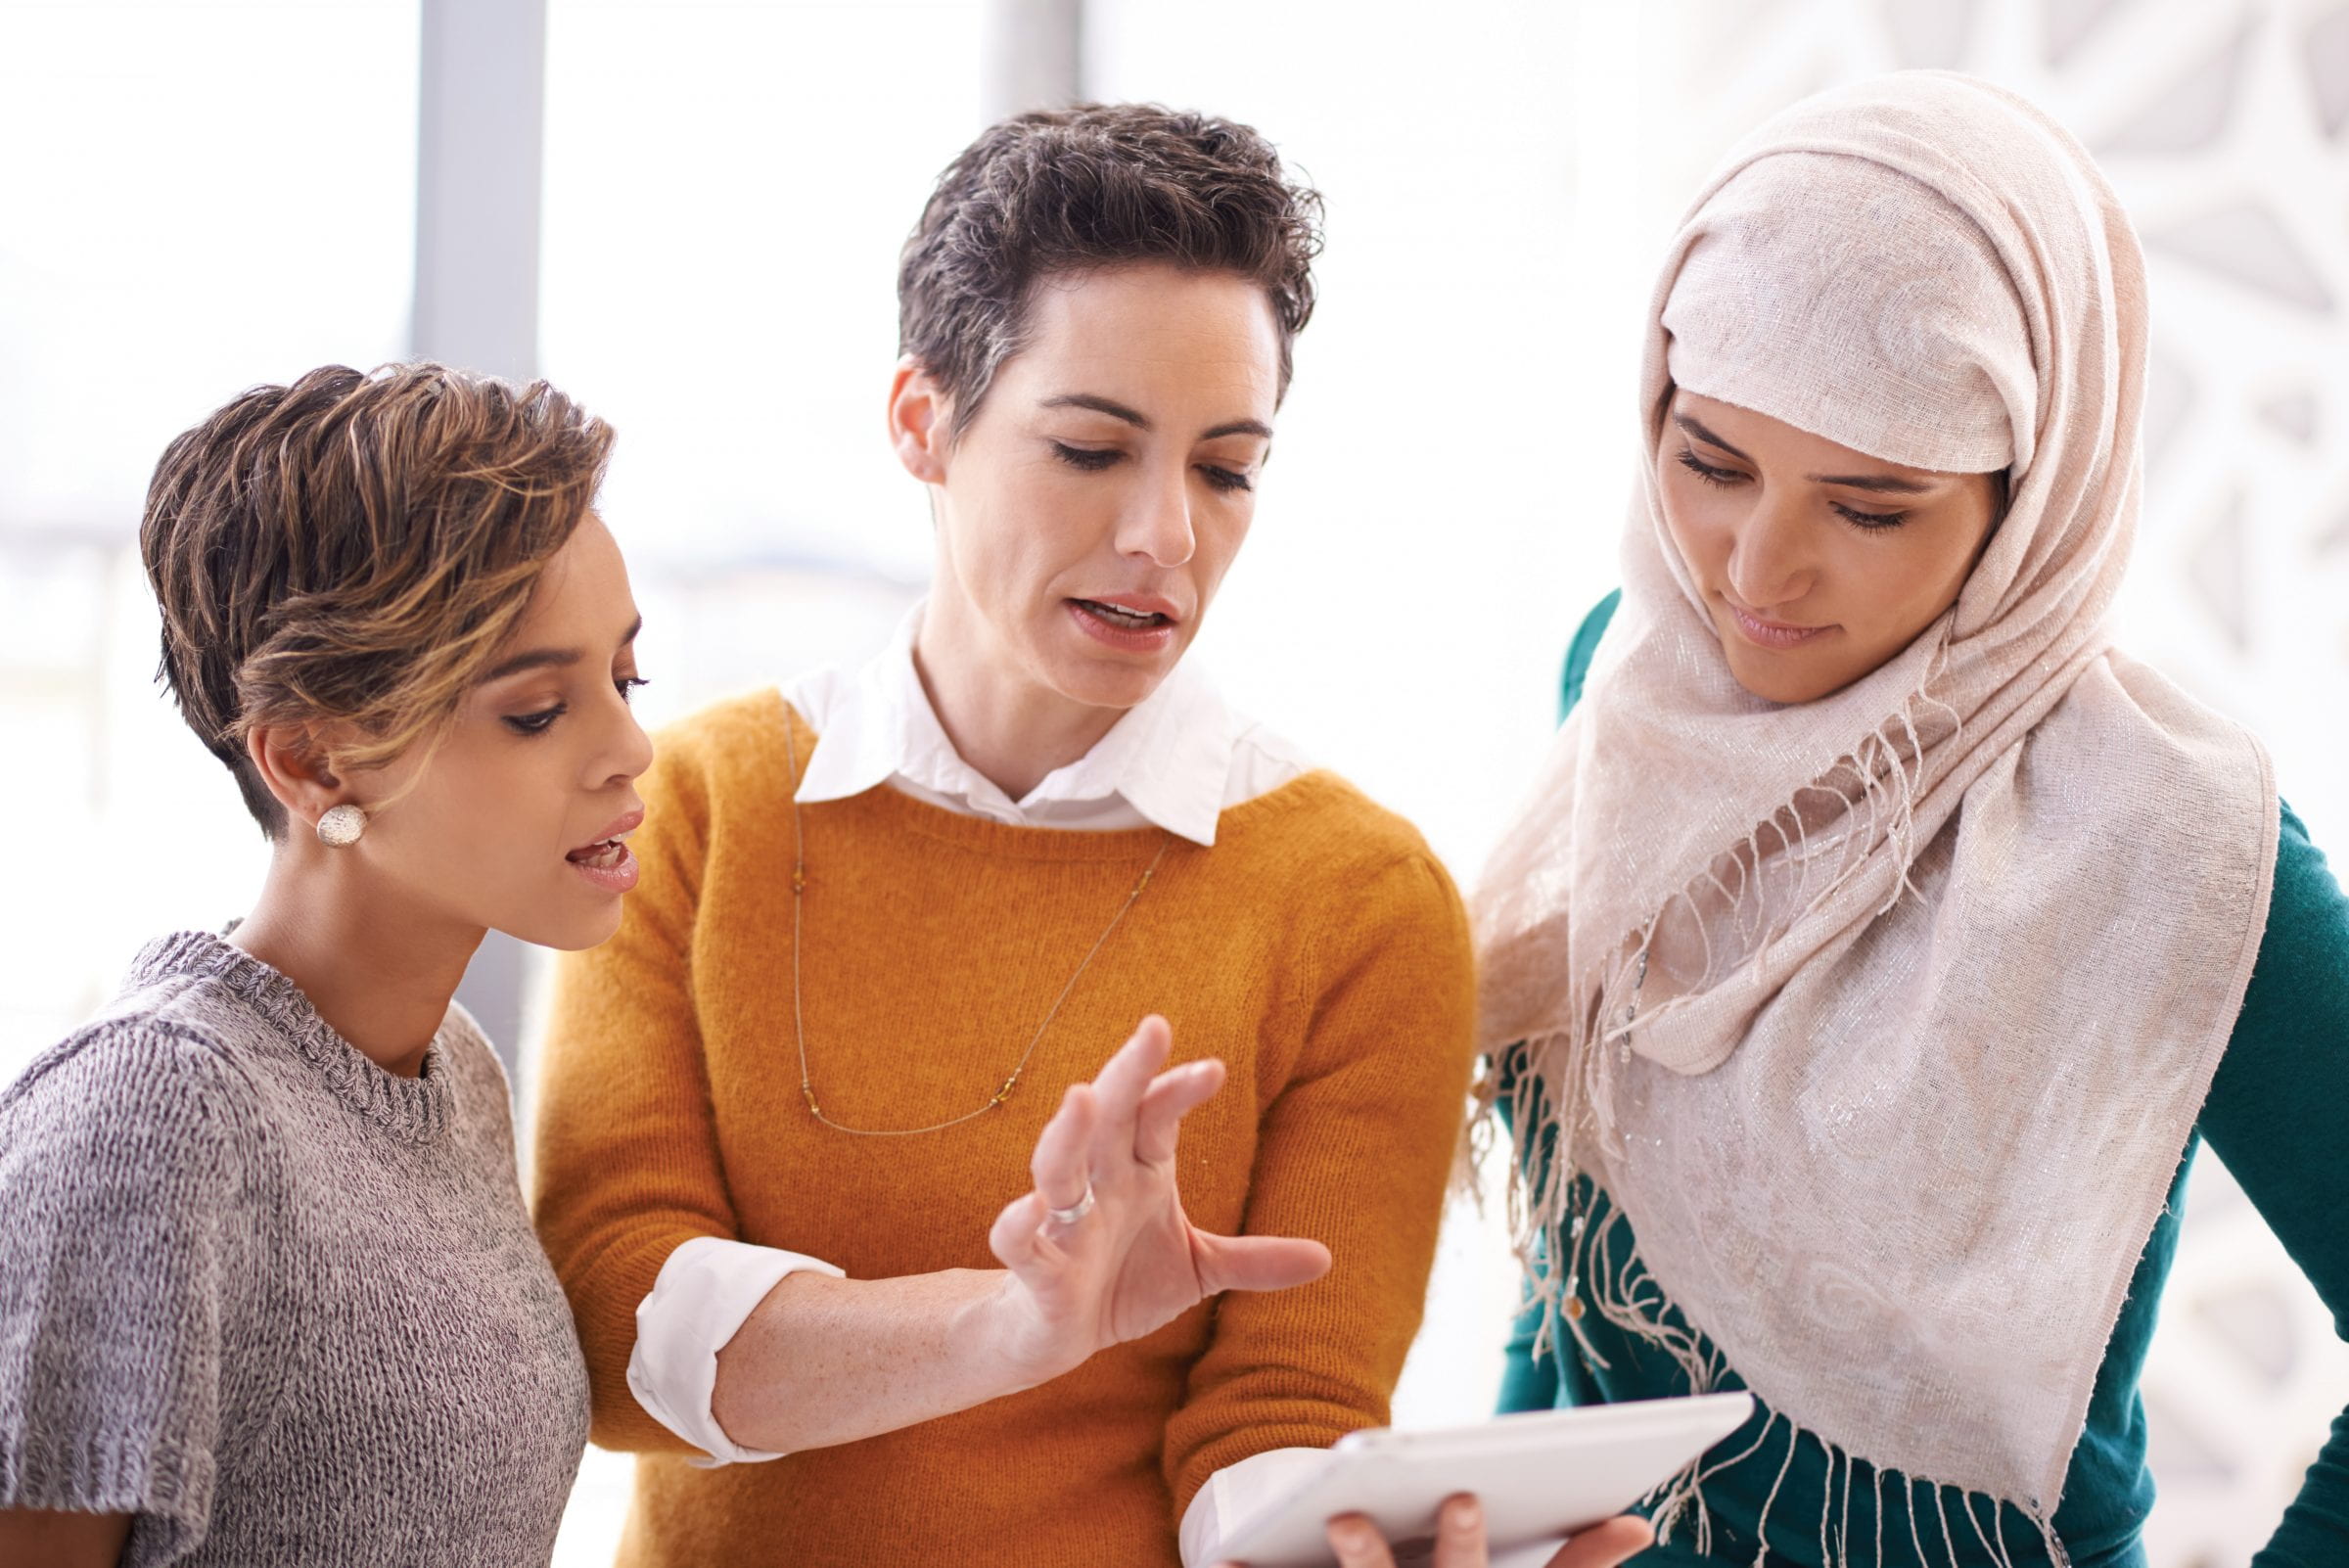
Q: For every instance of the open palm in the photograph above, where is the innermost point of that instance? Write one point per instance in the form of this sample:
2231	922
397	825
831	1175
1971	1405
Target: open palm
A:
1134	1261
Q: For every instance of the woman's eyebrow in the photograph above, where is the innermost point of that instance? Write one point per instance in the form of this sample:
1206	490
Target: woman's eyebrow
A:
551	657
1099	405
1707	437
1883	484
1141	421
1872	481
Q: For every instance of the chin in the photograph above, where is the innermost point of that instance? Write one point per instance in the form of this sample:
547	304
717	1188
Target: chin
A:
1101	680
1775	685
571	931
1111	687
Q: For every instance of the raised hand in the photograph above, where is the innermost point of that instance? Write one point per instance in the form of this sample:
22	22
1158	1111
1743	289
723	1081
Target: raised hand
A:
1101	1251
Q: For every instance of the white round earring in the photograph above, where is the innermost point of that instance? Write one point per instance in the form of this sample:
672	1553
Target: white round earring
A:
340	828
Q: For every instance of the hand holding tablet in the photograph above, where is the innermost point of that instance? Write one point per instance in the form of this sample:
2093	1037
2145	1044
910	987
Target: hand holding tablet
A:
1460	1542
1504	1492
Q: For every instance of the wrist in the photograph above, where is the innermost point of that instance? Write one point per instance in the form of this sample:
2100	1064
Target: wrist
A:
1016	1347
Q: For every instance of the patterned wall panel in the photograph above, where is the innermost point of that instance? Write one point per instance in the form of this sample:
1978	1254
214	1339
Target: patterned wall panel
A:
2225	126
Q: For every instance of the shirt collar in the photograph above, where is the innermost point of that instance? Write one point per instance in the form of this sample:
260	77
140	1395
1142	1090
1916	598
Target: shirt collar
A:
1168	757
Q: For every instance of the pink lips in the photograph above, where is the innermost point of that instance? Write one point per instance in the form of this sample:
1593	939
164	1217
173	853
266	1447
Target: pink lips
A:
1775	635
606	861
1124	635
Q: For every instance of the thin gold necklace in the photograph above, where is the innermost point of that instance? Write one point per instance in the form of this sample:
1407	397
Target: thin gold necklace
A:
798	890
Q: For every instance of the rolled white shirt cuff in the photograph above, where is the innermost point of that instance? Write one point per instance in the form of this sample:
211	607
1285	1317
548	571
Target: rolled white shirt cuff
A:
704	1292
1233	1494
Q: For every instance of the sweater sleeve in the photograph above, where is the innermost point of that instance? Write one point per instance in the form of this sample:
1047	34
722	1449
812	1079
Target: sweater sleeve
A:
2273	1116
628	1166
1354	1149
125	1243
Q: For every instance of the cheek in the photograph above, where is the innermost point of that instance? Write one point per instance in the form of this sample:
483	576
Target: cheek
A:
1014	535
485	813
1920	577
1220	535
1700	524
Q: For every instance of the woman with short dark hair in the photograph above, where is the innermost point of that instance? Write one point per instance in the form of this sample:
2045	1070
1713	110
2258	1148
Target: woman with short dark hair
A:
268	1292
888	915
267	1288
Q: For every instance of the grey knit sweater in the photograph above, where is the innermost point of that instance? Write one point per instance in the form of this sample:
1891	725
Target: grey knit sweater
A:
282	1306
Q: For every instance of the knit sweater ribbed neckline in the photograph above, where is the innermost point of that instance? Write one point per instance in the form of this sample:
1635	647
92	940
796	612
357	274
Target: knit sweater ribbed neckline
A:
416	1109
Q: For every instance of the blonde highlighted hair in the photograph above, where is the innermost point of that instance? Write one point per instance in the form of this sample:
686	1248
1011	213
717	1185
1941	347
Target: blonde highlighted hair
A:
354	549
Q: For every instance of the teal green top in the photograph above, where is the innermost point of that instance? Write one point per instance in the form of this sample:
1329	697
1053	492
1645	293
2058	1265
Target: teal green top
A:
2273	1116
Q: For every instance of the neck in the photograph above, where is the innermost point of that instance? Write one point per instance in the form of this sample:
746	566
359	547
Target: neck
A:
381	977
1011	729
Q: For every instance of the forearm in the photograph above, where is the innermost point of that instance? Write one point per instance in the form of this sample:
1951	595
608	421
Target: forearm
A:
63	1539
823	1360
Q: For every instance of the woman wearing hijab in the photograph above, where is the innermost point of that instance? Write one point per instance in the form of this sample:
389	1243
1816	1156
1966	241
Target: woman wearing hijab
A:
1881	941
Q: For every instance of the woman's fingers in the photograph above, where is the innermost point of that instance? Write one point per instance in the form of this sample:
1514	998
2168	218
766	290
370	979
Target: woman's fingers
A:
1356	1543
1603	1546
1257	1263
1460	1533
1062	1161
1120	1085
1017	1237
1173	1096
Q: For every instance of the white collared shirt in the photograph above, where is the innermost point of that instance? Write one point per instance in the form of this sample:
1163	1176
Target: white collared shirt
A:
1177	760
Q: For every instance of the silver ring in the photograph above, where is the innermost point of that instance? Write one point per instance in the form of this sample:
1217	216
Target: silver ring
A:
1075	1211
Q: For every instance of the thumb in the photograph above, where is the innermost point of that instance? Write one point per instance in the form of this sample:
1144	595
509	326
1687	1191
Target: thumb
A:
1257	1263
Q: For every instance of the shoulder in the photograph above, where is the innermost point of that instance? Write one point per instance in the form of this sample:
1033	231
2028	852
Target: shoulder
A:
734	746
151	1096
729	735
1331	844
2304	949
2303	874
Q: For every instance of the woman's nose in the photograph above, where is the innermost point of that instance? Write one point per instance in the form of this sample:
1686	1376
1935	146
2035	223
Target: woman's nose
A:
1770	562
1158	522
634	753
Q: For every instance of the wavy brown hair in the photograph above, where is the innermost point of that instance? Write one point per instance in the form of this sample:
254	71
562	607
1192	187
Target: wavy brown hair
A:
353	550
1101	185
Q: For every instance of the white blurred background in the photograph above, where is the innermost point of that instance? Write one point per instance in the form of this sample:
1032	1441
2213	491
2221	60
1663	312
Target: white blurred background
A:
688	215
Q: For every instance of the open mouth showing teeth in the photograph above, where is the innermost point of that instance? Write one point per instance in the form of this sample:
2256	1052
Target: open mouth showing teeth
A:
1135	620
604	857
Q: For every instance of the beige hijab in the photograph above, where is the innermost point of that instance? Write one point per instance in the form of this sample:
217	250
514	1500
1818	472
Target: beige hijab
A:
1886	1016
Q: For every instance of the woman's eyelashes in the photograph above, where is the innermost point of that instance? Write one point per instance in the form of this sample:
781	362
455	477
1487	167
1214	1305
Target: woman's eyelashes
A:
1094	459
1086	459
540	721
1723	476
1728	477
1870	521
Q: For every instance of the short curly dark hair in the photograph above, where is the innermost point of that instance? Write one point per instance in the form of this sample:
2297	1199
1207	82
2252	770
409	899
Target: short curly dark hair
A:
1098	185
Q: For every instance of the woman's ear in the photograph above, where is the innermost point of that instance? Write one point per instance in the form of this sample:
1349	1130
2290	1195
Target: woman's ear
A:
292	765
918	425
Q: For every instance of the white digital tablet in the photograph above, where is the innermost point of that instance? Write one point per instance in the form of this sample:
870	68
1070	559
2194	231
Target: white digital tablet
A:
1539	1476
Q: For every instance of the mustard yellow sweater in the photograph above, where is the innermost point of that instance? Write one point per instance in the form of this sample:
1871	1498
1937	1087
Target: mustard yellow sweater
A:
1318	948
